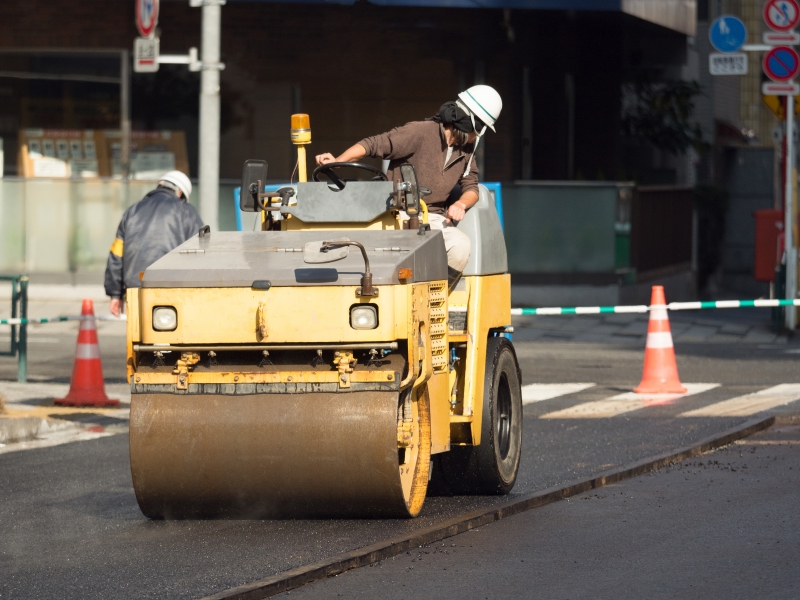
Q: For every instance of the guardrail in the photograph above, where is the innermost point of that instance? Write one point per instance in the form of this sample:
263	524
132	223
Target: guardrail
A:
19	329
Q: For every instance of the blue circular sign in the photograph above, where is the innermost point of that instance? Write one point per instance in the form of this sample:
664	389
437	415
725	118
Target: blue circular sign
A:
727	33
781	64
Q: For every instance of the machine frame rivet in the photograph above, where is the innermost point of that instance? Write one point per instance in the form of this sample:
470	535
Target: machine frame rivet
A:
236	378
389	376
138	379
289	378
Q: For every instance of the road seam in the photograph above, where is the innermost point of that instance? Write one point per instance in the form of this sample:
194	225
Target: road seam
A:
300	576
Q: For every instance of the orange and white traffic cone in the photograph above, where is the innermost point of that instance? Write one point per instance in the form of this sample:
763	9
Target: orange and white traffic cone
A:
660	368
87	387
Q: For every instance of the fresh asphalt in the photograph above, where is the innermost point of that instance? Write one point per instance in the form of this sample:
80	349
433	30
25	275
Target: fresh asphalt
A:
70	526
723	525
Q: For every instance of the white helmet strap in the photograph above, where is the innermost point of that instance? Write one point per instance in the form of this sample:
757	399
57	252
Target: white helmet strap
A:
474	128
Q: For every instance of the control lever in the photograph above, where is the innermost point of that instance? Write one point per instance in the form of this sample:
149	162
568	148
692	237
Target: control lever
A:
284	193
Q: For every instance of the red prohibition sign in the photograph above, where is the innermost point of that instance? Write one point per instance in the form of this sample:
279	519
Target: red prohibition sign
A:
781	64
782	15
146	17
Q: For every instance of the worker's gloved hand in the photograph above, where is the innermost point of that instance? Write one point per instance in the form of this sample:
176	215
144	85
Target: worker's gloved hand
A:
456	212
115	306
325	158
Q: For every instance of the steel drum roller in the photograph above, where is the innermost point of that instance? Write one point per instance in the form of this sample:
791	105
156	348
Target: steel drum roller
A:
274	455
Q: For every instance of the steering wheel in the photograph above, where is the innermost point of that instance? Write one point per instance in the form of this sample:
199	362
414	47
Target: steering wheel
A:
329	171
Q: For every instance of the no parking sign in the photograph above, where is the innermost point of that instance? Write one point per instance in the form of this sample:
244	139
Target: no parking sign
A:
781	64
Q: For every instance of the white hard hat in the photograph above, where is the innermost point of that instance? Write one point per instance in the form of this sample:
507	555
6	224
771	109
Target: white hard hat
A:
179	180
484	102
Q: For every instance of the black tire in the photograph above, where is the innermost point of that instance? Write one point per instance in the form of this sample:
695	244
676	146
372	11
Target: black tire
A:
491	467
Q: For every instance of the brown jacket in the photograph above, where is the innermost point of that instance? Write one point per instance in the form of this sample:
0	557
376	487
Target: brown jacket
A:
422	143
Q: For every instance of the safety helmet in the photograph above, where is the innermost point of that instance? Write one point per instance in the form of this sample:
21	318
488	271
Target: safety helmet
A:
180	181
484	103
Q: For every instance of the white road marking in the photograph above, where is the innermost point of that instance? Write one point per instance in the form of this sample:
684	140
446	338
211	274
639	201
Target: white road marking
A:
625	403
750	404
537	392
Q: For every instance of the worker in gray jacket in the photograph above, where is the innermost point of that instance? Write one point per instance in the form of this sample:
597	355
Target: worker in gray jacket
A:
158	223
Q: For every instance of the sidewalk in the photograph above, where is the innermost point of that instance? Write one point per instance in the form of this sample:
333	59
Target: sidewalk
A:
31	420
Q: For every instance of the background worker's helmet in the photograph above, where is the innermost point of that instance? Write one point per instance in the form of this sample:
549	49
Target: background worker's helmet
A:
484	102
179	180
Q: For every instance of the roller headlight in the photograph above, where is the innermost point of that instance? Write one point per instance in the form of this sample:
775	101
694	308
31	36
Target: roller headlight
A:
364	317
165	318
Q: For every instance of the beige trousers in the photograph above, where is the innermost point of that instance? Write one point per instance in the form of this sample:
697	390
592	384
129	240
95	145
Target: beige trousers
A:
456	242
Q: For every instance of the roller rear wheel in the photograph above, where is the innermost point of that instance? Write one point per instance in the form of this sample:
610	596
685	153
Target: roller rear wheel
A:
492	466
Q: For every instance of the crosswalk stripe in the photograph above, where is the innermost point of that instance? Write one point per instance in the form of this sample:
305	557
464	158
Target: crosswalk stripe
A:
537	392
749	404
624	403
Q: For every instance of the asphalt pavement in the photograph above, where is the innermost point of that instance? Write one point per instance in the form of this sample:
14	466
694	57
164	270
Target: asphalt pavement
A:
70	526
723	525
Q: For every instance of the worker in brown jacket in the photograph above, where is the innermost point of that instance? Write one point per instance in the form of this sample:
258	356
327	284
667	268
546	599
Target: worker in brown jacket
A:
441	149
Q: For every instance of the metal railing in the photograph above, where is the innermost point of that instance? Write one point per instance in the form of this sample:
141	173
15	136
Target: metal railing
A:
19	333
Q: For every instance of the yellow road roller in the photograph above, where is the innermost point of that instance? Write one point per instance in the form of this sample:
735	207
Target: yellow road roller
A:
323	366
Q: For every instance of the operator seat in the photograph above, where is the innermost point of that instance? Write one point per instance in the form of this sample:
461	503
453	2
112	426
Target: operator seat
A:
482	226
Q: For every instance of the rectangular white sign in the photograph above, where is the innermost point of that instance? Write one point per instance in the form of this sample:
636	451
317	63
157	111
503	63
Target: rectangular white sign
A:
145	55
720	63
782	38
790	88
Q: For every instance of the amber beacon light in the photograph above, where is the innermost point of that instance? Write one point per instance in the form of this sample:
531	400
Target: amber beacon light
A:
301	135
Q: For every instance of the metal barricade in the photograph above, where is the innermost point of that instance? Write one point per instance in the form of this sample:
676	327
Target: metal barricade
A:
19	333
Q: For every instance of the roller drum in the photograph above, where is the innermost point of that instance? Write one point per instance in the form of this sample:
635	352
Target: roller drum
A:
275	455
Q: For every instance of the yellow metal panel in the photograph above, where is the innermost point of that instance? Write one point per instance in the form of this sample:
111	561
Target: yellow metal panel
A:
489	307
132	327
440	412
291	314
267	377
386	221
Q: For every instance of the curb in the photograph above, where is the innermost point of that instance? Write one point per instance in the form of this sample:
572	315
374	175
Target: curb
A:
361	557
22	429
787	419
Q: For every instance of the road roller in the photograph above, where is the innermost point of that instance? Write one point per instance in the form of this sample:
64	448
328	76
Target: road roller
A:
323	365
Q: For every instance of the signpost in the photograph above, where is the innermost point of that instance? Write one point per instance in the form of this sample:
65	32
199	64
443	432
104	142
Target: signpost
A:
727	64
147	17
781	64
727	34
782	15
145	55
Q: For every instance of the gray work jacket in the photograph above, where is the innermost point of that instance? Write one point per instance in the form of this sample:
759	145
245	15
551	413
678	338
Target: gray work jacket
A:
149	229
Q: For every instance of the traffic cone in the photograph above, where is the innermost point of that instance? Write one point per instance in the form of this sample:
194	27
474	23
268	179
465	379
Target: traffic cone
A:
660	374
87	387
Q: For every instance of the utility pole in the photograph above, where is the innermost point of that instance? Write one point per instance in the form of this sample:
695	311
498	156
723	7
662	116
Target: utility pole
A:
125	112
789	215
210	110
